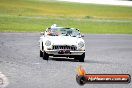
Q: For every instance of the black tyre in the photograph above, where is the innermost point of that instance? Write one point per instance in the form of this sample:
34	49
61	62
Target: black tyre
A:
80	57
41	53
45	56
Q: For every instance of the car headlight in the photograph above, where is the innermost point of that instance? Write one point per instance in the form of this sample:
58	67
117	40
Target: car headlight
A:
80	44
48	43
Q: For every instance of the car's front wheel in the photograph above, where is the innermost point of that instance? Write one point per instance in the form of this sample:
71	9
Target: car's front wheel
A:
45	56
41	53
80	57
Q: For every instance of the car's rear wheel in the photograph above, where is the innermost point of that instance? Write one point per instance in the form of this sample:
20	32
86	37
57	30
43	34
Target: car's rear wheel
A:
41	53
80	57
45	56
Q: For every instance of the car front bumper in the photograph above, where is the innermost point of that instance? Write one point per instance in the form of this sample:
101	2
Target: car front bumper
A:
64	52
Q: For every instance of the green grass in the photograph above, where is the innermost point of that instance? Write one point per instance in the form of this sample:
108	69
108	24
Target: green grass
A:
37	15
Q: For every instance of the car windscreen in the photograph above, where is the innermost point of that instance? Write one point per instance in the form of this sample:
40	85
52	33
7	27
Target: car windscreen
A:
64	32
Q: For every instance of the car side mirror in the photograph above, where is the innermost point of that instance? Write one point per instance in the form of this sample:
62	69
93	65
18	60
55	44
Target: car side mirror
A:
42	33
82	35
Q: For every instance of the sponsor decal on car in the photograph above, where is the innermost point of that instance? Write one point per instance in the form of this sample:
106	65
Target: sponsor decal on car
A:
3	80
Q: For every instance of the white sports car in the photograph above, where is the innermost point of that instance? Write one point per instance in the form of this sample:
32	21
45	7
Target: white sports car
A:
62	42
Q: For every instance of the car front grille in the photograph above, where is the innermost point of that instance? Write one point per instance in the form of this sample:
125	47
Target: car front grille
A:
64	47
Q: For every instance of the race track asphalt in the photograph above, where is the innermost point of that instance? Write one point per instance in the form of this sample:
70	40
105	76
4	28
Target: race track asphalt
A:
23	68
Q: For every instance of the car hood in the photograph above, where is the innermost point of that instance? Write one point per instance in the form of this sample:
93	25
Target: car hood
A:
64	40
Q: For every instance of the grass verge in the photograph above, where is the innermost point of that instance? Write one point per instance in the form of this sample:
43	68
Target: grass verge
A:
37	15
